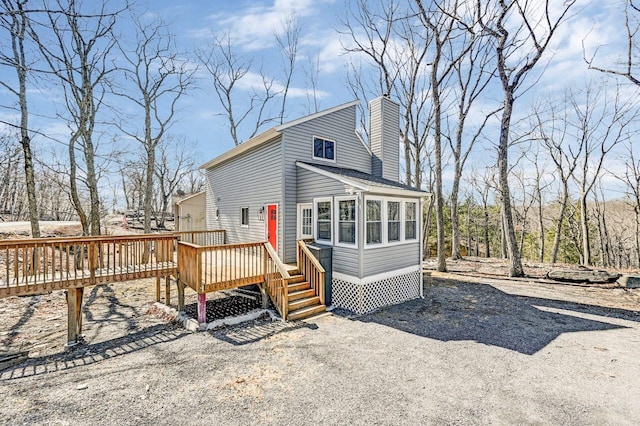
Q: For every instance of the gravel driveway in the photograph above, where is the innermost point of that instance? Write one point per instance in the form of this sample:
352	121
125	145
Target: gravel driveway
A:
489	352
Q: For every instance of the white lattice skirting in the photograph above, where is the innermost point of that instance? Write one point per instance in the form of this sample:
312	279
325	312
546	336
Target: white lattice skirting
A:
364	297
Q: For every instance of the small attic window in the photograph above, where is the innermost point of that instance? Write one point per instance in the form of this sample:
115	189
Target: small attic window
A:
324	149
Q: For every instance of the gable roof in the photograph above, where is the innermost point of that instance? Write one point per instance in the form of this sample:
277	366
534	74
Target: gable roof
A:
270	135
362	181
264	137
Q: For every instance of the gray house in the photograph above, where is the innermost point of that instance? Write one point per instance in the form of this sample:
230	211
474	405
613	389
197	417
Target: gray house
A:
315	178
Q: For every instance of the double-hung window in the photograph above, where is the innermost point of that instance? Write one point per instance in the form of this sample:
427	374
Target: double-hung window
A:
410	220
393	221
347	221
374	221
323	221
324	149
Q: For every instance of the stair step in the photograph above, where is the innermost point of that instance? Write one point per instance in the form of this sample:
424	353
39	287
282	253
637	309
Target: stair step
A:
306	312
293	272
295	279
304	285
303	303
300	294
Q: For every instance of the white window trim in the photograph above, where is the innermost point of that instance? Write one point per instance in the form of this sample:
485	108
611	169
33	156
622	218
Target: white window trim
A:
400	222
315	219
335	149
248	218
336	223
385	222
382	221
299	234
404	220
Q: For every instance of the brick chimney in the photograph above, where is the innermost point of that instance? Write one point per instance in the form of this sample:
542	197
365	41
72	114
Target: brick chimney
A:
384	138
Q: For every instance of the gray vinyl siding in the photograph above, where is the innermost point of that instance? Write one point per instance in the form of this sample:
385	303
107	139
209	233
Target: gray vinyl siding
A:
385	259
375	136
297	145
312	185
384	118
253	179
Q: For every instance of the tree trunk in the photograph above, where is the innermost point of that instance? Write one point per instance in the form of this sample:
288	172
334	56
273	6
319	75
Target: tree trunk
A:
515	267
541	226
92	184
584	226
469	228
20	66
559	222
435	92
73	186
637	211
455	222
487	248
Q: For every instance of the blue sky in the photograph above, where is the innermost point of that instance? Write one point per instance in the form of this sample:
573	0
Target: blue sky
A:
253	24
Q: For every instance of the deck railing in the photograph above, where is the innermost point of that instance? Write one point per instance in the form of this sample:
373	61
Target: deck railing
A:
312	270
275	278
212	268
215	237
43	264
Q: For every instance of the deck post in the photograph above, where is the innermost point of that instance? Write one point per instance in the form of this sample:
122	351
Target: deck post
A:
167	290
180	286
157	289
74	315
202	308
263	292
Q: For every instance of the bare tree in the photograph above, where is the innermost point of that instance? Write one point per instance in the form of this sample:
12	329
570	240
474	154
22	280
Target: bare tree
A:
472	77
288	43
176	162
77	54
631	179
482	184
229	70
14	21
312	72
522	31
628	67
159	79
600	122
553	130
444	26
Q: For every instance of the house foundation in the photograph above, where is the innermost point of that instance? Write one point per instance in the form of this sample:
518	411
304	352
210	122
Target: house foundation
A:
370	293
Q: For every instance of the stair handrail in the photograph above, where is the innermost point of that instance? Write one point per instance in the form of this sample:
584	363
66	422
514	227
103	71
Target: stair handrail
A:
276	280
311	268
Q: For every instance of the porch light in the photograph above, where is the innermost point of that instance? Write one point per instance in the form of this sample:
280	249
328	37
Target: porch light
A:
261	214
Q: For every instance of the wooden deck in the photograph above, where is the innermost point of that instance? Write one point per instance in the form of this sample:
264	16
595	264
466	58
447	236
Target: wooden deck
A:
200	260
43	264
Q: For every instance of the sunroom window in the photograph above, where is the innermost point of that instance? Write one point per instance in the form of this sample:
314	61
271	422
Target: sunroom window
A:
410	221
374	221
324	149
393	221
323	220
347	221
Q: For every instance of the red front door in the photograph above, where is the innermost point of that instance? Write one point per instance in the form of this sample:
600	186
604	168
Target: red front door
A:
272	225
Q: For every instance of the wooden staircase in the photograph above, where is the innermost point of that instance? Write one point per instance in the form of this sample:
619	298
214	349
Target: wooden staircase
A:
302	299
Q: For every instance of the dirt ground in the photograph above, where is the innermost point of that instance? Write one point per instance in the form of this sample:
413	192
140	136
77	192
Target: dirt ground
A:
476	350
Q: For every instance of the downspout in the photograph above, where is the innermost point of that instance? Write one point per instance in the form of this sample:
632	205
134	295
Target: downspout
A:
361	233
421	239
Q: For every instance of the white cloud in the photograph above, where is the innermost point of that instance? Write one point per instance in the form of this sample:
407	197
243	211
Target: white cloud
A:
254	28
